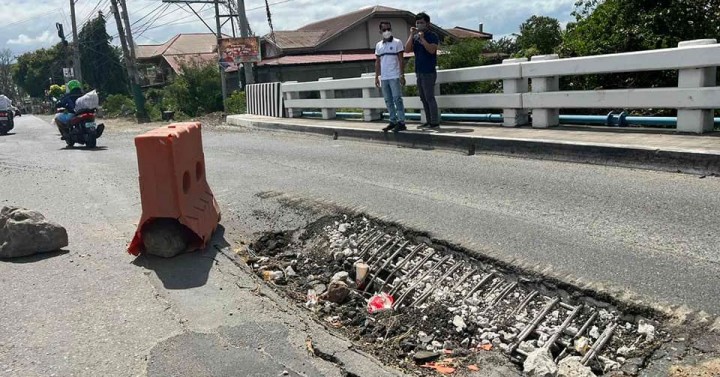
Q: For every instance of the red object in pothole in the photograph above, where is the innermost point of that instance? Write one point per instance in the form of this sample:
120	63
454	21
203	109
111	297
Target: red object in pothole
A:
380	303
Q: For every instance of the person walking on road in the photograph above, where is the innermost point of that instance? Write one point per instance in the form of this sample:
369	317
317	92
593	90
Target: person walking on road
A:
424	43
390	76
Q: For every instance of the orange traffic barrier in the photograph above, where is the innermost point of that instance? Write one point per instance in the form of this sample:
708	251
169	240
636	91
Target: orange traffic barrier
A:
171	164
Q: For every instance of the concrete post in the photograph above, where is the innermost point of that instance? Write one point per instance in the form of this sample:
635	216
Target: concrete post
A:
544	118
327	113
515	117
292	113
689	120
370	115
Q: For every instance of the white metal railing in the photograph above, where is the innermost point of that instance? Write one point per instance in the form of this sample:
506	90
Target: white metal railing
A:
533	87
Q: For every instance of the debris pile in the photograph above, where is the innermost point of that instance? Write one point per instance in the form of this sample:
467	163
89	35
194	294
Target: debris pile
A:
416	303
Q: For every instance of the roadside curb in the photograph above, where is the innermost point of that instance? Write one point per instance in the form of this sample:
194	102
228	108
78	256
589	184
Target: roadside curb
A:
683	161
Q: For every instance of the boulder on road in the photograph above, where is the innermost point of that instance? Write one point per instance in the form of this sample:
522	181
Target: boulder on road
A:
24	232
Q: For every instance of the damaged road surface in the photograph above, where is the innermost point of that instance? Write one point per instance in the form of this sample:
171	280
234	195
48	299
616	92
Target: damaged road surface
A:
430	308
94	310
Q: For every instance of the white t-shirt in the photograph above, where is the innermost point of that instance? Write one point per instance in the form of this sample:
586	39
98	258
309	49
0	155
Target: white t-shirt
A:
388	54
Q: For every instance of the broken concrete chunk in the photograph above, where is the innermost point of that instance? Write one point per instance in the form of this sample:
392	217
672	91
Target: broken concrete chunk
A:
459	322
572	367
24	232
539	363
646	329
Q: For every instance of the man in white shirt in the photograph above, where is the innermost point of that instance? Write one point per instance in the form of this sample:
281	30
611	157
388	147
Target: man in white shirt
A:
390	75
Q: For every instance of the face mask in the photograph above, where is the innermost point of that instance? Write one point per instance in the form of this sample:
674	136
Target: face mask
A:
421	27
387	34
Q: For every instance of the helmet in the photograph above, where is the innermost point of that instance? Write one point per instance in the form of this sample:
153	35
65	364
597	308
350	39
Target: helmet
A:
73	84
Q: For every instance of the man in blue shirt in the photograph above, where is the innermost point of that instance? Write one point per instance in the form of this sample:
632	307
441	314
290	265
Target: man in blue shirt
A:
424	43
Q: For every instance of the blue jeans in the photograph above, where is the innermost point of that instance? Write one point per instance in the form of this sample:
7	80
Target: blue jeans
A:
392	91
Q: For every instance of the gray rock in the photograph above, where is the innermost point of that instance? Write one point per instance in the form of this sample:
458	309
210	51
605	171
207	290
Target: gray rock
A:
24	232
165	238
539	363
425	356
572	367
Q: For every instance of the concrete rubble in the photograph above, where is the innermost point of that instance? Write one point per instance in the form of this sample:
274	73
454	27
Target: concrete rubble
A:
25	232
463	307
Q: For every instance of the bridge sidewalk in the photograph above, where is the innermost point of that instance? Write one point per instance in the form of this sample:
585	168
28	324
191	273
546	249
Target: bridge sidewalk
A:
627	147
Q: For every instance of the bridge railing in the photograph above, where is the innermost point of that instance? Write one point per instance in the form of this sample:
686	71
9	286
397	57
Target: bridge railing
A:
532	87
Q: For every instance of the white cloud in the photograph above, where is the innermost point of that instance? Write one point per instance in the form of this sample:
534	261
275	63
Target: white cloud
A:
43	39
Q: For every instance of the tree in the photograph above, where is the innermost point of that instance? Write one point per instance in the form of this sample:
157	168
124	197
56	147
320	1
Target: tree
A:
7	86
101	65
35	71
196	91
541	34
615	26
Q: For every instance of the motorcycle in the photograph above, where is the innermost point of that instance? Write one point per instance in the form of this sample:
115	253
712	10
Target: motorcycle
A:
81	129
6	121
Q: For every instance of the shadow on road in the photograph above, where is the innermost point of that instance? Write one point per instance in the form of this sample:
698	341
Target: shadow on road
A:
8	134
83	148
189	270
36	257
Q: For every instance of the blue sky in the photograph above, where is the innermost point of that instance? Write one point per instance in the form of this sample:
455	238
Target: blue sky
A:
32	25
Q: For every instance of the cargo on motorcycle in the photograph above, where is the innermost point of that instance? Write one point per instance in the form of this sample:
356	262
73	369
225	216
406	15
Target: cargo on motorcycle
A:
75	116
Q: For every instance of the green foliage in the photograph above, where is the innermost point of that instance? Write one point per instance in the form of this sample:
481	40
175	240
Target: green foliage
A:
466	53
236	103
118	105
196	91
540	33
35	69
101	65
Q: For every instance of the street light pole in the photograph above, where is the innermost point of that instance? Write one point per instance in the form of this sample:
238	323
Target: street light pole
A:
76	44
244	27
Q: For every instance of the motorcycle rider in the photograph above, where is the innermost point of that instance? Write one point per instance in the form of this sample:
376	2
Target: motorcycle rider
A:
74	91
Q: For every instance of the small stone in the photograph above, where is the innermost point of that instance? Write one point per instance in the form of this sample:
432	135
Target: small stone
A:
340	276
459	322
448	345
625	351
422	357
337	292
465	343
289	272
407	346
320	288
436	344
594	332
572	367
343	228
645	328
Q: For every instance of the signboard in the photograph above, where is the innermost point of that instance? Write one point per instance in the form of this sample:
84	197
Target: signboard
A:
240	50
68	73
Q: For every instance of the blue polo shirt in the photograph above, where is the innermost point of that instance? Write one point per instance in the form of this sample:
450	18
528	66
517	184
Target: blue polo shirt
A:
425	62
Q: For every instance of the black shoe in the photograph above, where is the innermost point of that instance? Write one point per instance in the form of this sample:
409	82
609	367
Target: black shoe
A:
400	127
423	126
390	127
434	126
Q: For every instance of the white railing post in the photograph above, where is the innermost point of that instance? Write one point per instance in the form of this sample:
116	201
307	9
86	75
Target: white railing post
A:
544	118
370	115
292	113
520	85
327	112
690	120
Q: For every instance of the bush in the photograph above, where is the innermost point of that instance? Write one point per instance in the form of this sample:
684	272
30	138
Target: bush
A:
236	103
118	105
196	91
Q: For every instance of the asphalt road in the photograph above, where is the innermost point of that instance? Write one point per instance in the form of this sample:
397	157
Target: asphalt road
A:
94	310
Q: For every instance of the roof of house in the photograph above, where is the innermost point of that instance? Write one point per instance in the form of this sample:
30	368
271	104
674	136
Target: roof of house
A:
180	44
462	33
318	33
321	58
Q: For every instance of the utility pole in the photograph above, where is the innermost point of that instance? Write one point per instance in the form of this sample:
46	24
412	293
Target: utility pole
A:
76	43
129	57
244	27
219	36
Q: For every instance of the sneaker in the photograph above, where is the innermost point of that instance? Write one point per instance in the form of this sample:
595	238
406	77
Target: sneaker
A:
400	127
433	126
424	126
389	127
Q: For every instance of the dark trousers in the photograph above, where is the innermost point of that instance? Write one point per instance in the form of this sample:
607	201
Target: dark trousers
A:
426	87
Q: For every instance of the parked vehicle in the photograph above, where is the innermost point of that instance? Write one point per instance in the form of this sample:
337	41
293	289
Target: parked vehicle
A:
7	122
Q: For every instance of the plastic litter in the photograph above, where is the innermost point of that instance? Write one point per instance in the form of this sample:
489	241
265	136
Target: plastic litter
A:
380	303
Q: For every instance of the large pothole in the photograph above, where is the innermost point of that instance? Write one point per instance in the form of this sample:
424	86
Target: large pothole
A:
447	310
